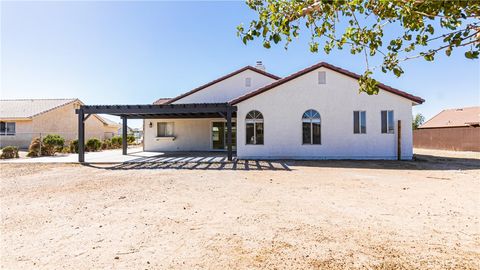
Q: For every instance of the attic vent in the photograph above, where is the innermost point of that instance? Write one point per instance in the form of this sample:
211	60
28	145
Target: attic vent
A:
322	77
248	82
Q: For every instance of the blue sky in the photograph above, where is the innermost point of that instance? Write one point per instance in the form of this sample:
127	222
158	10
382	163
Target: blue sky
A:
109	52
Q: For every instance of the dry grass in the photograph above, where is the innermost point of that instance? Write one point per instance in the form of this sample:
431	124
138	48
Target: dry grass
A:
294	215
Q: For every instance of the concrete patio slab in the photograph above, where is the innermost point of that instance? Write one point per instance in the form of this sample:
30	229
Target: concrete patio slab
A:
135	155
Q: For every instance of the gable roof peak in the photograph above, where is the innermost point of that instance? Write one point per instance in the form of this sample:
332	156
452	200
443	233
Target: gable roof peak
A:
221	79
353	75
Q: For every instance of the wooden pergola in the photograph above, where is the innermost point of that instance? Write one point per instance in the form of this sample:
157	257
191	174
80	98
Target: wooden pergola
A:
125	112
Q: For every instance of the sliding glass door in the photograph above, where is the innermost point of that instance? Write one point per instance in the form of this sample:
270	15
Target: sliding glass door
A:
219	136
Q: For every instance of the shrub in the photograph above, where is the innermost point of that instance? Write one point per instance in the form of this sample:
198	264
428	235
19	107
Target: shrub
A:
93	145
130	139
9	152
74	146
116	142
34	148
52	143
65	149
106	144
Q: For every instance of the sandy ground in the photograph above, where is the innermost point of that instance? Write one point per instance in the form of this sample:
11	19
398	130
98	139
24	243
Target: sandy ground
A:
269	215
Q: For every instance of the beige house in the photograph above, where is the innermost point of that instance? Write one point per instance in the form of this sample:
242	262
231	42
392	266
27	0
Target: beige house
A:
24	119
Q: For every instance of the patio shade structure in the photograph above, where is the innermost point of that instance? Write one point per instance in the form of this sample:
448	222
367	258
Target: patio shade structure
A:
198	110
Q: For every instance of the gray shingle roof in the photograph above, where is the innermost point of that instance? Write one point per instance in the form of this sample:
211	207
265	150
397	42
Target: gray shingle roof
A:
27	108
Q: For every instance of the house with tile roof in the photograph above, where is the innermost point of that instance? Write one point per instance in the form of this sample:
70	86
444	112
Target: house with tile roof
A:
315	113
452	129
21	120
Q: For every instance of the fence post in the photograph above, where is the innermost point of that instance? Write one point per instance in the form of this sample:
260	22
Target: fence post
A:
399	140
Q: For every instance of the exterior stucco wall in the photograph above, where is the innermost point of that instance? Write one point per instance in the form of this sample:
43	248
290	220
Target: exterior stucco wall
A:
22	137
62	121
228	89
283	106
190	135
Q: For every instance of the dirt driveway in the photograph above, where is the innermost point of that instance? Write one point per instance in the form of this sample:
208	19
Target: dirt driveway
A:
279	215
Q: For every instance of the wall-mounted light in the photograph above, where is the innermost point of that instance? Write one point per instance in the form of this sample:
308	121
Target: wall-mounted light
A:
150	125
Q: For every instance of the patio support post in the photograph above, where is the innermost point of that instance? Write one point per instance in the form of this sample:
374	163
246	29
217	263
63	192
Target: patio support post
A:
81	136
229	133
124	135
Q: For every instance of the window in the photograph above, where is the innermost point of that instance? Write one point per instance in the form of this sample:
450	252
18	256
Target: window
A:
254	127
388	124
7	128
311	127
165	129
322	77
248	82
359	122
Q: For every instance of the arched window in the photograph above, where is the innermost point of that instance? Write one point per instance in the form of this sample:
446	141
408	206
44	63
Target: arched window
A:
311	127
254	127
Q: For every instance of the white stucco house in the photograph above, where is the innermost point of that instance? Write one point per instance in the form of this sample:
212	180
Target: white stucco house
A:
315	113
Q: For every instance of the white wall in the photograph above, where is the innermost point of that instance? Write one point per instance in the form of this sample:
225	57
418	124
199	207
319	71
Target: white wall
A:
190	135
228	89
283	106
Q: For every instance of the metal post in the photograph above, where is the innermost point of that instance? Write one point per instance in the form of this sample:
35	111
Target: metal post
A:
81	136
124	135
399	140
229	133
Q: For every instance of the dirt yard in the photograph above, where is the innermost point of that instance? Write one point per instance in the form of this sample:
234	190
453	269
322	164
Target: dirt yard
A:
268	215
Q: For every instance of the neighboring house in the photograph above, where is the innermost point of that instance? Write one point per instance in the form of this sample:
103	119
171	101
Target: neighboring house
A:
452	129
21	120
316	113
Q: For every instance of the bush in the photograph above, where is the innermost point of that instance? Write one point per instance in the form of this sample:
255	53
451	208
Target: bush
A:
34	148
116	142
52	144
9	152
106	144
65	149
93	145
130	139
74	146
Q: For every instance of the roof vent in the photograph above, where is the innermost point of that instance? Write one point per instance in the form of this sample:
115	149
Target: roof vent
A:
260	65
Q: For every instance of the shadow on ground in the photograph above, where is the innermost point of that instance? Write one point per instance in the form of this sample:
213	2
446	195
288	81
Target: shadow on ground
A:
240	165
420	162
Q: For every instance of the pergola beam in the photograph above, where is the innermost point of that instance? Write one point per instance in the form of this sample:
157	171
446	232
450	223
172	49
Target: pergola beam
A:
203	110
157	109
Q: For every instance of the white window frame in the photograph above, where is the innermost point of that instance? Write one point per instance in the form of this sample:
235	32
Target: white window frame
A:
389	131
254	121
311	121
5	132
166	135
360	122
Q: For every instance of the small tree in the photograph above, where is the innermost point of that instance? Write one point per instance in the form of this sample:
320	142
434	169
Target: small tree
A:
74	146
130	138
35	147
52	143
418	120
9	152
116	142
93	145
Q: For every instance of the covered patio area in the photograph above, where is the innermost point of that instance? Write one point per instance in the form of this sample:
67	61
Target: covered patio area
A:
170	111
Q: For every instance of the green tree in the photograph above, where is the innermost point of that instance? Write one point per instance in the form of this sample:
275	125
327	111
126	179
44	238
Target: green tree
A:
427	28
418	120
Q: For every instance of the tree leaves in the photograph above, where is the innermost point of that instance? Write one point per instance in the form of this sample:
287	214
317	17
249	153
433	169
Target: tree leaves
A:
457	22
